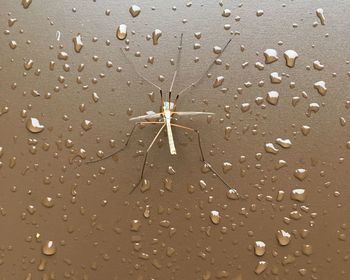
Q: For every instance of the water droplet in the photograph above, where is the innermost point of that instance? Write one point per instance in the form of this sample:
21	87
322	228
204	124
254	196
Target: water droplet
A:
226	167
259	13
298	195
290	56
34	126
218	81
49	248
11	21
285	143
13	44
270	55
305	129
198	35
145	186
28	64
122	32
232	194
156	34
47	202
245	107
260	267
270	148
272	97
26	3
215	217
283	237
318	65
86	125
320	15
78	44
135	225
320	86
226	13
259	248
134	10
300	173
62	56
307	249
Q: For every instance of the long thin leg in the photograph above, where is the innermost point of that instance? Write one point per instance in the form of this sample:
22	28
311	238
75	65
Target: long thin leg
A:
126	143
145	159
208	69
202	156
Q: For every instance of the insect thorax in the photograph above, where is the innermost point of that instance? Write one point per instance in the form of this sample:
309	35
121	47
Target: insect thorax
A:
168	106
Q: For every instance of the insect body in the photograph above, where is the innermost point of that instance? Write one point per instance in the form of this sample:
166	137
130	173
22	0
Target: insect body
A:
165	119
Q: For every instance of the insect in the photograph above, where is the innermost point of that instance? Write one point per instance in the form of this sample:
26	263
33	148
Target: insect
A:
165	118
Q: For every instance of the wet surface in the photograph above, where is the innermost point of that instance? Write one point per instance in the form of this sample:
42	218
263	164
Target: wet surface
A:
279	138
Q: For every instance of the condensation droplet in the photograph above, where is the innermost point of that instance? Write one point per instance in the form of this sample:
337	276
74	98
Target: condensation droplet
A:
34	126
283	237
260	267
300	173
26	3
320	86
122	32
218	81
272	97
290	56
134	10
320	15
270	55
78	44
226	13
47	202
215	217
298	195
156	34
270	148
259	248
49	248
284	143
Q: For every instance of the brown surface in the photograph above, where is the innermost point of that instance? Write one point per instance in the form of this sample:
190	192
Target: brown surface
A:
91	224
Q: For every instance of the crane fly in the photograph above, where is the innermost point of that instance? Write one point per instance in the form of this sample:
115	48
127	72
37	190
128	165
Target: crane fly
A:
166	116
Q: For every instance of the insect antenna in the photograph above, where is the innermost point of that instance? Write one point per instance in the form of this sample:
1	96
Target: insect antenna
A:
208	69
138	74
177	67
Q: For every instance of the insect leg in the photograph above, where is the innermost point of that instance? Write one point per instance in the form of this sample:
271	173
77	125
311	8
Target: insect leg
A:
177	66
208	164
145	159
126	143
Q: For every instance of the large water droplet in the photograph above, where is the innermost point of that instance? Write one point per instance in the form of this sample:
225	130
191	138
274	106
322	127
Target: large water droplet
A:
272	97
270	55
290	56
259	248
26	3
215	217
122	32
78	44
218	81
320	86
283	237
156	34
34	126
320	15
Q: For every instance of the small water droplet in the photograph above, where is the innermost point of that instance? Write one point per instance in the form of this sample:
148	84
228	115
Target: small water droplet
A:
270	148
156	34
260	267
320	15
218	81
78	44
283	237
34	126
259	248
122	32
320	86
300	173
270	55
26	3
259	13
272	97
226	13
215	217
134	10
28	64
318	65
86	125
298	195
49	248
